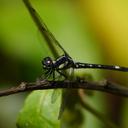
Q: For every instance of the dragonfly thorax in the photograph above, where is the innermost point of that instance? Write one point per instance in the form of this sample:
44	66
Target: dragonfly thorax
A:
61	63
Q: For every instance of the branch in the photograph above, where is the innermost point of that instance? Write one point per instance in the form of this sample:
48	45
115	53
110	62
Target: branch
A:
104	86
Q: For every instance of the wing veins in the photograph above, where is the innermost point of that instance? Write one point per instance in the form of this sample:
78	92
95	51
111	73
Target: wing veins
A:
48	36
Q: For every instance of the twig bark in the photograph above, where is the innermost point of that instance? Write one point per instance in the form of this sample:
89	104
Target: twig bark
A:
104	86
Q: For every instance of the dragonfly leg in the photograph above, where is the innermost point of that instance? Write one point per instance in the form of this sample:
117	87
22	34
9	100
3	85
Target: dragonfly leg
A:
44	76
53	74
62	74
47	74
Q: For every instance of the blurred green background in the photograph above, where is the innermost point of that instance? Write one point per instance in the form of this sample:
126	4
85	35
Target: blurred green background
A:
90	31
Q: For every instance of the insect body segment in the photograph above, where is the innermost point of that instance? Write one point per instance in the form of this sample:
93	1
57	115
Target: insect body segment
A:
61	63
100	66
66	62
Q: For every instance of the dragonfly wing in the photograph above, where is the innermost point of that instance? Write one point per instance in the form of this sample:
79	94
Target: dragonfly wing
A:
48	36
56	93
51	42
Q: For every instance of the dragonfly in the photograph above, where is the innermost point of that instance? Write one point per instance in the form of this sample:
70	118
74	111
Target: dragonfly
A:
65	61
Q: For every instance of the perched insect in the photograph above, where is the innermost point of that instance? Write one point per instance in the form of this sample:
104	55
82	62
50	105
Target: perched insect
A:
64	61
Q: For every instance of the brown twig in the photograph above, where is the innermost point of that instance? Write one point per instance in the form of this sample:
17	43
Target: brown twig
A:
104	86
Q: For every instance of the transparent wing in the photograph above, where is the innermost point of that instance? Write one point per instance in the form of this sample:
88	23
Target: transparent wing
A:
56	93
48	36
50	40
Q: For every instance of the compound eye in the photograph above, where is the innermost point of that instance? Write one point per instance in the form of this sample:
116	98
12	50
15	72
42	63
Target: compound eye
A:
47	62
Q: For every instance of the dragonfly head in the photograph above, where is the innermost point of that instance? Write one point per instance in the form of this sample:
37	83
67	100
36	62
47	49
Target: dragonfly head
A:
47	63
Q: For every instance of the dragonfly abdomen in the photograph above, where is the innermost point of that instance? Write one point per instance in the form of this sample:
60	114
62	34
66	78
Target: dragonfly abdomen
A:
78	65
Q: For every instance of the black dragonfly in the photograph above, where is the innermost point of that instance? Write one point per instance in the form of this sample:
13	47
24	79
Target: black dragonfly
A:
64	61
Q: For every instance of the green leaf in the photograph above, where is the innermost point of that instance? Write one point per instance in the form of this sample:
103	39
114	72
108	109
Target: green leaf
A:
39	112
